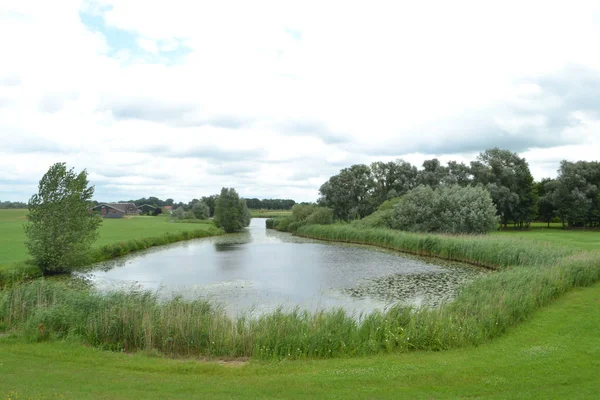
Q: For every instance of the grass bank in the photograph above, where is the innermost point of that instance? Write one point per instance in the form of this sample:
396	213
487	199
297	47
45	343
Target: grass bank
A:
117	237
554	355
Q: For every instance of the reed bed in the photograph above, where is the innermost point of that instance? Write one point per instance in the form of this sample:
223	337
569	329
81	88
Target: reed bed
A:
139	321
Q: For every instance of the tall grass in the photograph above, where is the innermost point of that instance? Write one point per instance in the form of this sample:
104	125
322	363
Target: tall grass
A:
129	321
488	251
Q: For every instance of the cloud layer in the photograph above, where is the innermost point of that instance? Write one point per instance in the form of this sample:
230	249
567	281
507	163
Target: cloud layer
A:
181	98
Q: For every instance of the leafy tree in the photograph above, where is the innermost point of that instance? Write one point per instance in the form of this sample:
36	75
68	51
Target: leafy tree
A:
349	193
61	229
458	174
576	196
432	174
12	204
179	213
544	190
210	201
509	179
231	212
200	210
448	209
392	179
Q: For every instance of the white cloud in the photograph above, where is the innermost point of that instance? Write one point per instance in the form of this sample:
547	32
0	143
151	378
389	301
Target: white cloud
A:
295	91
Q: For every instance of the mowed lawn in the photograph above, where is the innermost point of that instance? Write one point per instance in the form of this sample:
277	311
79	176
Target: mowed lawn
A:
554	355
580	239
12	236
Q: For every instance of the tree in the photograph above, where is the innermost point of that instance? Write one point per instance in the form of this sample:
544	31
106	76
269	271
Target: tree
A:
349	193
514	193
432	174
200	210
210	201
61	228
231	212
392	179
448	209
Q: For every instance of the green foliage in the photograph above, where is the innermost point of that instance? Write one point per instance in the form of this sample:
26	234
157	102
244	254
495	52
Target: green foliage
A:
509	181
61	229
382	218
231	212
449	209
349	194
201	210
321	216
302	214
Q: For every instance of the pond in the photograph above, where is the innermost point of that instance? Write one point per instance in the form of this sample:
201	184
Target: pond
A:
260	270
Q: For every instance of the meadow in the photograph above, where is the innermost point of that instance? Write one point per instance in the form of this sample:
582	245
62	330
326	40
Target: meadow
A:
116	237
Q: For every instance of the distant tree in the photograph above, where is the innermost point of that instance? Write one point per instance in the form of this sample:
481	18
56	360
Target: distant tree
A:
200	210
12	204
157	211
448	209
458	174
61	229
231	212
544	190
576	195
169	202
509	180
432	174
392	179
349	194
179	213
211	202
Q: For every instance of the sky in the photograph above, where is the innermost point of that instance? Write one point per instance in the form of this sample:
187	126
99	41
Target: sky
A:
178	99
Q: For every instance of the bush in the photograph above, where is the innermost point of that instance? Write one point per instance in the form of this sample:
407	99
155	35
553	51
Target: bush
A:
451	209
382	218
321	216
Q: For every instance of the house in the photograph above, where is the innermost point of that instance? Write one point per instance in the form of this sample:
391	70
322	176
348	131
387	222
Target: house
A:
116	210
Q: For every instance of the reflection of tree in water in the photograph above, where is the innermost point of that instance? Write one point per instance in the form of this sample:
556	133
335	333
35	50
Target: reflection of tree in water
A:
430	289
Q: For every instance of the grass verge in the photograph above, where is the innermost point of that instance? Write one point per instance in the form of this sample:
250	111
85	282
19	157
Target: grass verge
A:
555	355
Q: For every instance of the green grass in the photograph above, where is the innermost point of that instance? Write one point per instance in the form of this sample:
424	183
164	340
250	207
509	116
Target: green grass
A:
269	213
12	236
555	355
579	239
117	237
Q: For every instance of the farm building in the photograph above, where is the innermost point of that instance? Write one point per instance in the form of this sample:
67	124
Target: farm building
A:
116	210
147	209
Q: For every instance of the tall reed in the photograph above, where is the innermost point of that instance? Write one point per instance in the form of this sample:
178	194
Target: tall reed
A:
130	321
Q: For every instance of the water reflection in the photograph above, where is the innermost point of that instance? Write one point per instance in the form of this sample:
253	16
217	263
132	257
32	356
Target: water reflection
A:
261	270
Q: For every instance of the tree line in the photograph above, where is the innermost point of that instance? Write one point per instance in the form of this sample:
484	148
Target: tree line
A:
270	204
12	204
573	197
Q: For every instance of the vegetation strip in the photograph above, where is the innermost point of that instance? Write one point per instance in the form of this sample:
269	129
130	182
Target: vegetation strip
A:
531	275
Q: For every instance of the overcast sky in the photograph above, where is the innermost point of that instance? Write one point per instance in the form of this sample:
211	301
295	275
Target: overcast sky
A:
179	98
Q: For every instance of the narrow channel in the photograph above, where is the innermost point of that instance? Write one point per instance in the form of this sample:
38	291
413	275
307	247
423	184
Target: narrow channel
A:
259	270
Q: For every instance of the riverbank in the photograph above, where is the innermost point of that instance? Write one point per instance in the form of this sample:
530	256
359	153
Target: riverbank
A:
117	238
554	355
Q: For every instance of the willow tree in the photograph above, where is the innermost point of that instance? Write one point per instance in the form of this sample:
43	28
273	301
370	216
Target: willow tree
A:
61	228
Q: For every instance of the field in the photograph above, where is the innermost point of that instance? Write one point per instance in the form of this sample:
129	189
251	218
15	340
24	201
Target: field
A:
269	213
555	355
12	236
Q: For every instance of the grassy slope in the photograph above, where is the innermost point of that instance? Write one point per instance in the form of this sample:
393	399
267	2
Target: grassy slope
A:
12	236
556	354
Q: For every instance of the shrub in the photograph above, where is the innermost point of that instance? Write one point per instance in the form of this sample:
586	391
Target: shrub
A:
450	209
321	216
382	218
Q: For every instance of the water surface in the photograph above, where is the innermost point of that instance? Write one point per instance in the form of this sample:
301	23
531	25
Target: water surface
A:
259	270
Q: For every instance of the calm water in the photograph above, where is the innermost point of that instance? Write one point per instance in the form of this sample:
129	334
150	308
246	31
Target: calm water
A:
260	269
